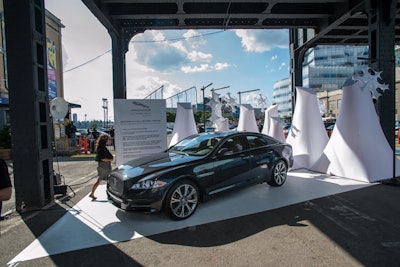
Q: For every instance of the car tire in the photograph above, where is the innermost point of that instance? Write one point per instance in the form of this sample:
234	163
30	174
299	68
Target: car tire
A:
181	200
278	174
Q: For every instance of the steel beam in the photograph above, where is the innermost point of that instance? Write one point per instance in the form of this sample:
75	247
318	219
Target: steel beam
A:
31	127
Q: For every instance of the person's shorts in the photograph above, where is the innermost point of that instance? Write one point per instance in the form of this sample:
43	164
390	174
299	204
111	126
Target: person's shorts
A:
103	170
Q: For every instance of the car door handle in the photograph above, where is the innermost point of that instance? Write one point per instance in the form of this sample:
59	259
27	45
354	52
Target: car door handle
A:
247	157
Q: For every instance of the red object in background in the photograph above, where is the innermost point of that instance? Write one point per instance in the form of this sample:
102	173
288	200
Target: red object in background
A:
85	145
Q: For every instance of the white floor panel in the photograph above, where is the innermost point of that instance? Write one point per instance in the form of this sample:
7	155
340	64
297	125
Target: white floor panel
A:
94	223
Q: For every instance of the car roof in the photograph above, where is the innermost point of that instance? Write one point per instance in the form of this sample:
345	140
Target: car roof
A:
229	133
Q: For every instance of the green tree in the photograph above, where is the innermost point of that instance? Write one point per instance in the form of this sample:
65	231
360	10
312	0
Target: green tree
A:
198	116
171	116
93	124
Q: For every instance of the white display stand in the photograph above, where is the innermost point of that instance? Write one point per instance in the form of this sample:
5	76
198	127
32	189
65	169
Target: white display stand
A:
276	129
270	112
358	148
247	119
307	134
221	124
184	125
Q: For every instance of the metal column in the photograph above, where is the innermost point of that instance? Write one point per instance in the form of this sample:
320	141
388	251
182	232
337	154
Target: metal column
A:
297	52
118	65
120	45
31	126
381	30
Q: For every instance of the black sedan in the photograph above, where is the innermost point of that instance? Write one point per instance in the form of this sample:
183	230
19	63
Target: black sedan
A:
196	169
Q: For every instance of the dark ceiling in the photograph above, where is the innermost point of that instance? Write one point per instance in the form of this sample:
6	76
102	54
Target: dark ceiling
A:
331	22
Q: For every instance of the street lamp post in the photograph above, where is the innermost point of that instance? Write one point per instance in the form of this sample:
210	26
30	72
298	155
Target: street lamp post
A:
216	89
204	106
105	107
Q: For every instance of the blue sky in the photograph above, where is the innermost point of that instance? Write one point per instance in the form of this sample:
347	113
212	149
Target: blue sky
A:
242	59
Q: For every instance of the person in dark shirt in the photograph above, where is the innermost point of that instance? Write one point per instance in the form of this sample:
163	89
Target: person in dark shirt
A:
104	159
95	134
5	183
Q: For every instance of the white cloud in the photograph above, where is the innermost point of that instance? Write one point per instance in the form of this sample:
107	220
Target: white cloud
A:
160	56
149	84
194	39
275	57
282	65
199	56
205	68
261	40
201	68
164	54
221	66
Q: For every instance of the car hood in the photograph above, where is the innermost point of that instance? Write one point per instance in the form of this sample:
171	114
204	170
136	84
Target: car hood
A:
149	164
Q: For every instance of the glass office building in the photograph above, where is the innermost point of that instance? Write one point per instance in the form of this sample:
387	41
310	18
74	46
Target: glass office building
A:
282	96
325	68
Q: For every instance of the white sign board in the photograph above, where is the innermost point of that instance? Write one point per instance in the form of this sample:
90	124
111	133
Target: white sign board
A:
140	128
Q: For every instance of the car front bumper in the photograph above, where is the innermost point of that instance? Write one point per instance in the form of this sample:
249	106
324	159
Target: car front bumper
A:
145	199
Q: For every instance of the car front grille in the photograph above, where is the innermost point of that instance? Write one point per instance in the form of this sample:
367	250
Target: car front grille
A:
115	185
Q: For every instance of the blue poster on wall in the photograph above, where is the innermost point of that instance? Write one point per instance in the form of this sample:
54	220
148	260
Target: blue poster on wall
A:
51	68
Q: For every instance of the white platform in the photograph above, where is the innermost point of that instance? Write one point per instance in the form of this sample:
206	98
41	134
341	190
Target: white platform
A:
95	223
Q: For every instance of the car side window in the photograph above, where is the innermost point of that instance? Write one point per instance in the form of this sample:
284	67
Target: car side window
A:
256	141
259	141
232	145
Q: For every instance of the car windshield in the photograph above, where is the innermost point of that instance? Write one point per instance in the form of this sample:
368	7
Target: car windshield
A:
198	145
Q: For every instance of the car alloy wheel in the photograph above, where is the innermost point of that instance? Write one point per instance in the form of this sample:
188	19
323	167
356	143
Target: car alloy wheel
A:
182	200
279	173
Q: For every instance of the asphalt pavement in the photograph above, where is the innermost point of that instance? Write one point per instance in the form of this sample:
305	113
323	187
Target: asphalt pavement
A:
356	228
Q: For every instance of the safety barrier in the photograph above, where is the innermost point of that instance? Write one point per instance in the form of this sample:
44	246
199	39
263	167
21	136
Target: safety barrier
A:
83	145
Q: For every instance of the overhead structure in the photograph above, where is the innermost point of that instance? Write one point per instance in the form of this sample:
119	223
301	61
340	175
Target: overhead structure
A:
317	22
310	23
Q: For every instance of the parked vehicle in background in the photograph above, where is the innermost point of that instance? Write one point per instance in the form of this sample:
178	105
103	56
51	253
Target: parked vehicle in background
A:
329	129
329	125
198	168
81	132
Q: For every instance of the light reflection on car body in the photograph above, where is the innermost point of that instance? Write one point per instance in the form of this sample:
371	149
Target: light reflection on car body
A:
198	168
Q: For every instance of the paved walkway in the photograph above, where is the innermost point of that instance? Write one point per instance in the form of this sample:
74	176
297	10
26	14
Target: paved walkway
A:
360	227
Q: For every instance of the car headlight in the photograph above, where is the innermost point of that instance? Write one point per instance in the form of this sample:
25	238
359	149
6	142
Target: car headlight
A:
287	153
148	182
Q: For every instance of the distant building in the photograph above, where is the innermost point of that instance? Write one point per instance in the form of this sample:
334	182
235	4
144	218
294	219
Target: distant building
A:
54	63
330	103
282	96
325	69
